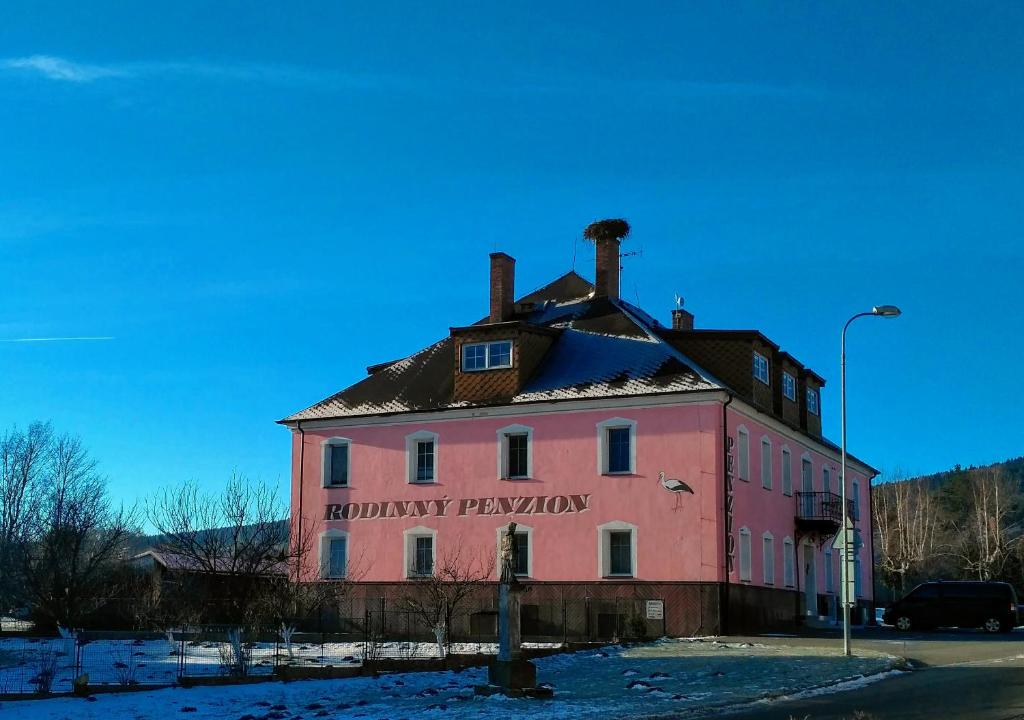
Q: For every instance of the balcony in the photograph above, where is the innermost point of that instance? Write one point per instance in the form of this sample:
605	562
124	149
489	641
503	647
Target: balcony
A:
821	512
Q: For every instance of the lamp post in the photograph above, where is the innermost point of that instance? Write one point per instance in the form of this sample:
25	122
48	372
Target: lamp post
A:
885	311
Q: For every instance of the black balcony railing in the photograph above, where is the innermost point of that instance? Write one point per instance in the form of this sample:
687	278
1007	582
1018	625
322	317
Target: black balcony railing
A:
823	507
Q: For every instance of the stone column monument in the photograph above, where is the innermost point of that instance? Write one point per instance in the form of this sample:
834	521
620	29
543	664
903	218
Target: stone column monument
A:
510	673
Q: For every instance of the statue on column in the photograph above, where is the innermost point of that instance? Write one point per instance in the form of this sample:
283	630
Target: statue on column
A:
510	673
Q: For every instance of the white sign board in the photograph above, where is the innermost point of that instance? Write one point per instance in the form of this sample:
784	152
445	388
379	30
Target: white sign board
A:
845	537
655	609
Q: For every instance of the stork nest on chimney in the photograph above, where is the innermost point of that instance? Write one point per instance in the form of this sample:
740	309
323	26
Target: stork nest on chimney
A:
603	230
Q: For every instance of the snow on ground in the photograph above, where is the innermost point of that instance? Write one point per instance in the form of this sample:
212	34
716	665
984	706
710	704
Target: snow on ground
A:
159	662
662	677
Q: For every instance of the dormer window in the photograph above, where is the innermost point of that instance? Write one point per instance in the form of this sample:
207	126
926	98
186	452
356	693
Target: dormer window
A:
812	401
761	367
487	356
789	386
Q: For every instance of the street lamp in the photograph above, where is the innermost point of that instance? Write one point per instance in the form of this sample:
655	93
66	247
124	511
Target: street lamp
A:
884	311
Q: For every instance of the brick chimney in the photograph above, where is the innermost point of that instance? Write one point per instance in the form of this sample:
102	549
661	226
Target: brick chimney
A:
607	271
503	274
606	236
682	319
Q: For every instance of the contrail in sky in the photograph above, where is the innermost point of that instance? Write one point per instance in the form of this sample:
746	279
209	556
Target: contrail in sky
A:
55	339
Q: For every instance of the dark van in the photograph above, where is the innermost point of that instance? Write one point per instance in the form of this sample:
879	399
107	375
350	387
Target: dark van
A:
991	606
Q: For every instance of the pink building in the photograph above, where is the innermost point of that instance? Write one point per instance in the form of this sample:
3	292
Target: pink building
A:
641	462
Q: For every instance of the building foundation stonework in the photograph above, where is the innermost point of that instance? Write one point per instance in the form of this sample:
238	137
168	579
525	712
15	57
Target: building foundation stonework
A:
662	479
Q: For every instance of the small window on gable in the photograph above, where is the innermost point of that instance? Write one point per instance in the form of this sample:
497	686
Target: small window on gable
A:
487	356
336	456
421	457
761	368
812	401
789	386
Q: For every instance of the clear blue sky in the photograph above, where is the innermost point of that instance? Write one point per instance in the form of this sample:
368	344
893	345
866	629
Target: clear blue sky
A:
255	201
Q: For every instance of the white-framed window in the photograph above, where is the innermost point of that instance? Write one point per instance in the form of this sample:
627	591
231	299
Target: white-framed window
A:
768	558
745	572
743	453
616	543
524	549
336	462
761	368
487	356
421	457
812	401
333	554
420	551
855	493
806	485
789	386
515	452
616	446
787	472
766	463
856	575
806	478
788	562
826	479
829	570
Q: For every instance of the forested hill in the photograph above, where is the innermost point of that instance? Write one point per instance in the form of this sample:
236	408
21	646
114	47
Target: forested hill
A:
1013	468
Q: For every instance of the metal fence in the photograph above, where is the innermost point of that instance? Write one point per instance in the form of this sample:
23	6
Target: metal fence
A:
36	665
374	623
225	652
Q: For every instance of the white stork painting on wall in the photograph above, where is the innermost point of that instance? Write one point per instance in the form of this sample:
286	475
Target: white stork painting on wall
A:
674	486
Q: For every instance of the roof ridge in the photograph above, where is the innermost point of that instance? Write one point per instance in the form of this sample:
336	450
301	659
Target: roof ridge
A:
624	306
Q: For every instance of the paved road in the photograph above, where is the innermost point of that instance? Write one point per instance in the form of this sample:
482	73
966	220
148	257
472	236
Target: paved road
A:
962	674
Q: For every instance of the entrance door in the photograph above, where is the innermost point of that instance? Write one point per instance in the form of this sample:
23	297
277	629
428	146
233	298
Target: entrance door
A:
810	581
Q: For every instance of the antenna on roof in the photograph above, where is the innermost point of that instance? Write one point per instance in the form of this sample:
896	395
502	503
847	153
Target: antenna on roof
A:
679	301
631	253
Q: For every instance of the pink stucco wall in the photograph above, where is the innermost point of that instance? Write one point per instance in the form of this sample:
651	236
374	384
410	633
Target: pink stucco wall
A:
679	537
762	510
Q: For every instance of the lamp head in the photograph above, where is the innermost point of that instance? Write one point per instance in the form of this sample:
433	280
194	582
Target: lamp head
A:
886	311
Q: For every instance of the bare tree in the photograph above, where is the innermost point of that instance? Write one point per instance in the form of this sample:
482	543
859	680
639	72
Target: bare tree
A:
23	459
982	543
77	537
906	520
238	539
437	598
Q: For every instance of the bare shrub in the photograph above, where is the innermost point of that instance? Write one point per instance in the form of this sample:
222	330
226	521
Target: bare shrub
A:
437	598
45	667
235	655
126	666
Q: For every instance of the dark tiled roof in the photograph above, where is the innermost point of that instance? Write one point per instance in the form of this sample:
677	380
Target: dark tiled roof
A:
606	348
